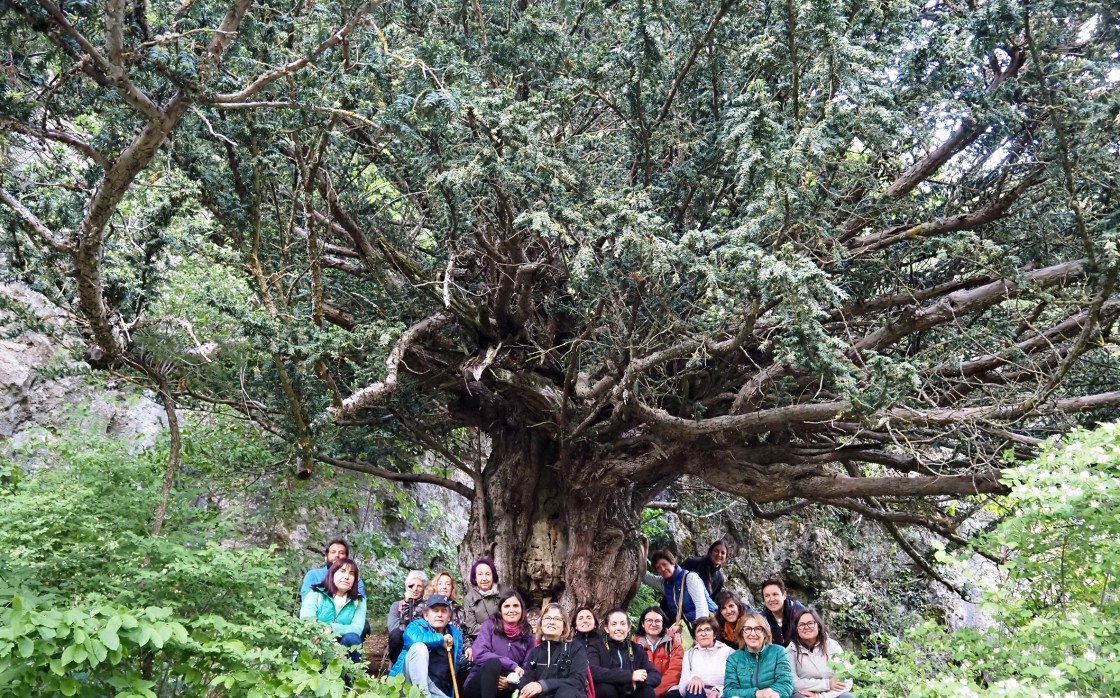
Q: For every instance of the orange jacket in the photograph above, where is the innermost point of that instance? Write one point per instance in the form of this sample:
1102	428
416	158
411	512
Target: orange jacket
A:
666	657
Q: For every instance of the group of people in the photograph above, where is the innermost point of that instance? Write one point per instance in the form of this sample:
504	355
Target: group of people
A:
491	645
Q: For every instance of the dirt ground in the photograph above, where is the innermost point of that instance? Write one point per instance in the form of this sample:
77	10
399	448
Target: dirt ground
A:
376	651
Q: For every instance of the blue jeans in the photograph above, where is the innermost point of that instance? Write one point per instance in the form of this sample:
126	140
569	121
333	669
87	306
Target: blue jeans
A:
353	641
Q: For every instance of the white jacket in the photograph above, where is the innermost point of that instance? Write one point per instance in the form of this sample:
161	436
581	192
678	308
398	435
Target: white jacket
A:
708	663
811	671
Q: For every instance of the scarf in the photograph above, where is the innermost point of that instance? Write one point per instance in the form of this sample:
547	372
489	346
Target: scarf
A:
512	630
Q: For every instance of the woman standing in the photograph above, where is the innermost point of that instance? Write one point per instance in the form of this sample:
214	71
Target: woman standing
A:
482	599
405	610
663	650
444	584
710	567
759	669
705	664
557	667
685	595
809	654
338	602
618	667
503	643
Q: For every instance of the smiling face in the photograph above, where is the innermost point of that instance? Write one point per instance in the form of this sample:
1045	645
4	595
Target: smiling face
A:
484	577
754	634
718	554
729	611
585	621
552	623
618	626
344	579
808	629
774	598
652	624
705	635
511	610
663	568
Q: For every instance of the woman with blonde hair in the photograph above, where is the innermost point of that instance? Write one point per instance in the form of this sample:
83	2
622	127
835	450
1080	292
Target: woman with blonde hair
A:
557	667
443	583
760	669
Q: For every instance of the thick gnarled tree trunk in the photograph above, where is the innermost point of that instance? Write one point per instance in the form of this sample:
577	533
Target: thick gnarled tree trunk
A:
552	533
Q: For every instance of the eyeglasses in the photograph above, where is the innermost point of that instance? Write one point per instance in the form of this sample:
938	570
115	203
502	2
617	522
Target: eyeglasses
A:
552	619
652	620
703	629
752	630
808	624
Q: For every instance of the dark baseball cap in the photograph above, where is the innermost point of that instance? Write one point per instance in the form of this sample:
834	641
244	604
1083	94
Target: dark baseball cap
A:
437	600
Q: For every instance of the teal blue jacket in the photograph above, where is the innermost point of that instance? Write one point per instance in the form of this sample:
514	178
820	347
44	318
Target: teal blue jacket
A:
747	672
351	618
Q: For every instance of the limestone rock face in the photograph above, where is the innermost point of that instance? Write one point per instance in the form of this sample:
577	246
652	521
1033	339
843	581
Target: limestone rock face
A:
43	383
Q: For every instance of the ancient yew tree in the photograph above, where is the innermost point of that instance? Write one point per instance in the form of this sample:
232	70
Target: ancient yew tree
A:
811	252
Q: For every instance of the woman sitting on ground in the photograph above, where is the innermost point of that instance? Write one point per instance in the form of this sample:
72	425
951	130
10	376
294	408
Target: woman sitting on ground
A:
685	595
444	584
663	649
809	653
500	650
482	598
704	664
618	667
760	669
731	614
405	610
557	668
586	629
338	602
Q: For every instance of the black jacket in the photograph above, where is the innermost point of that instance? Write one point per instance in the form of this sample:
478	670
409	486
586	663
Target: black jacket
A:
783	635
711	575
557	663
585	640
615	663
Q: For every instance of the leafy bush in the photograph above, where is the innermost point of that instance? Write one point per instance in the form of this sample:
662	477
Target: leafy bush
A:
1054	604
92	605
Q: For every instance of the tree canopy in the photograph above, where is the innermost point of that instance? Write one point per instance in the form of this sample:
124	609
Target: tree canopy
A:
809	252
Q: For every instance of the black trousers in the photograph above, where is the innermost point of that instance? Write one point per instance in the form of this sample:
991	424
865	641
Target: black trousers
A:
484	684
568	692
613	690
396	645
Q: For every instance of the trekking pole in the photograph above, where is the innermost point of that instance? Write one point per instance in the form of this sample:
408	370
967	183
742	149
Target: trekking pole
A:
449	643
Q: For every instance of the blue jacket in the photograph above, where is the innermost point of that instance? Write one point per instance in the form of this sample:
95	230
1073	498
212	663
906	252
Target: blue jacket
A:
420	631
674	586
318	576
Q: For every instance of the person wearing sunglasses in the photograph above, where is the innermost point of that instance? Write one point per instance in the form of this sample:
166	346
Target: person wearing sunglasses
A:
406	610
760	669
557	667
809	653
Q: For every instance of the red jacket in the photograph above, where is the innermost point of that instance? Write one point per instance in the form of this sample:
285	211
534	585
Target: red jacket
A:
666	657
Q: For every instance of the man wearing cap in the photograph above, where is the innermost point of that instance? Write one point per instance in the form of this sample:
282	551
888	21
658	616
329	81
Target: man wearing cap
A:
433	651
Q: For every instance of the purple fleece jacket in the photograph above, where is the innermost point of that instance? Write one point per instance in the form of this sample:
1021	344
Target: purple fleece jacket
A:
492	643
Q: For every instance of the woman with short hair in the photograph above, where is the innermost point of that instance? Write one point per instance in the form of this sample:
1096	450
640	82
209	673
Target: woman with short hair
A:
760	669
405	610
481	602
685	595
809	654
705	664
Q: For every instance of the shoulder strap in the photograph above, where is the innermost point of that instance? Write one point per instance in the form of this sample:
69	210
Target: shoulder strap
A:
680	598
